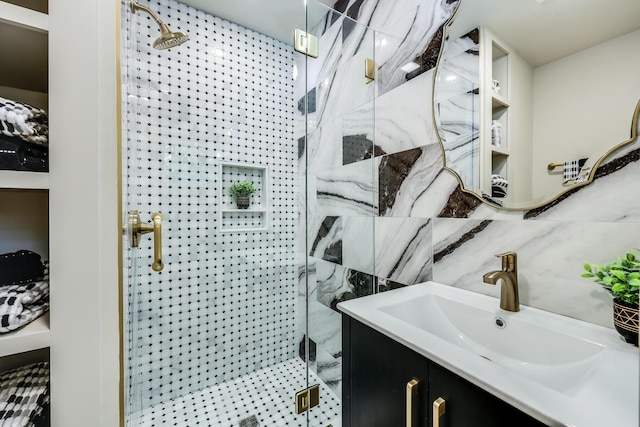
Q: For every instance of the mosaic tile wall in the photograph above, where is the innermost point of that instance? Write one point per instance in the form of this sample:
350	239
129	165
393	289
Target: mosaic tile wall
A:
225	303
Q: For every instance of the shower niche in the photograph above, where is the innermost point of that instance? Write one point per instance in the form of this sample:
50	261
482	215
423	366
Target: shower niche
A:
256	216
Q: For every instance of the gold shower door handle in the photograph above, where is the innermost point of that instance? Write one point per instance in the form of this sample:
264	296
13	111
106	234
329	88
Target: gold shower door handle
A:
438	410
412	390
139	228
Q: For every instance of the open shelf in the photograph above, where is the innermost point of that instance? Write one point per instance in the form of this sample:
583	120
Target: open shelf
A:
23	17
498	151
24	180
34	336
256	217
498	102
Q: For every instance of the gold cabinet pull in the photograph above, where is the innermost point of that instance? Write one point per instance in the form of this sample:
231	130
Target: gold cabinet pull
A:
138	228
438	411
412	390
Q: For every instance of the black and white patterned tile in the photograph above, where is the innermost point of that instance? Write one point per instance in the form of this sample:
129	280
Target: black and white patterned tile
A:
266	394
213	282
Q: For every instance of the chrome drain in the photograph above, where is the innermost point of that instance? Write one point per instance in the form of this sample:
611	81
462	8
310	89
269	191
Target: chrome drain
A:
251	421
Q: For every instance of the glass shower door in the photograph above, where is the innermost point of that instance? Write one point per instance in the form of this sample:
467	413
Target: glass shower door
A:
341	204
212	338
243	315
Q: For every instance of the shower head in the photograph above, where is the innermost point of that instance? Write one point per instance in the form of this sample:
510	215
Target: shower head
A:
168	38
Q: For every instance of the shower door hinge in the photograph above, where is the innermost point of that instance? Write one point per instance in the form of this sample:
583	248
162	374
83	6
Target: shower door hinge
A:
305	43
369	70
307	399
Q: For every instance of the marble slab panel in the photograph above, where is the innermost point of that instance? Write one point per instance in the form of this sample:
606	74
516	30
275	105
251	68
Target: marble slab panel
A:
610	197
403	249
432	199
325	238
324	146
429	17
347	190
405	177
358	243
336	283
402	116
550	259
332	282
358	133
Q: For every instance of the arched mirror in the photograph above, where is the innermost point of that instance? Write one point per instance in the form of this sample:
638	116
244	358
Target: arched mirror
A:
532	96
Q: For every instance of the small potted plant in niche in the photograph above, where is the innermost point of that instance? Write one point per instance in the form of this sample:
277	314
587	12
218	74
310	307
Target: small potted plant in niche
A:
622	279
242	192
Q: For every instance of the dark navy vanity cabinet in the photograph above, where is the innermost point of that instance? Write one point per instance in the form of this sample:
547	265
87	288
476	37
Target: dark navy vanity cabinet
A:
376	374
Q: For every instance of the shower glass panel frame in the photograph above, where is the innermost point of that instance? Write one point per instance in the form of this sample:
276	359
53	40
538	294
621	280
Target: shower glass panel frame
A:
243	314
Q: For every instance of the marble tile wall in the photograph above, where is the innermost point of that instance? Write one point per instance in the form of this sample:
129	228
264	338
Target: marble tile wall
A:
368	149
375	161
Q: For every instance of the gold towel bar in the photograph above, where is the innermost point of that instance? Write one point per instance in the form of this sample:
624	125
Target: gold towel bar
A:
552	166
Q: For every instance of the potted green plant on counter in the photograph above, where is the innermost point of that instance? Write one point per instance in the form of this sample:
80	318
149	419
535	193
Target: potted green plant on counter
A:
622	279
242	192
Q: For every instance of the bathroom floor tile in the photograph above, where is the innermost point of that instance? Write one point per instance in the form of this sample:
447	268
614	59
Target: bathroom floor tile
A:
266	394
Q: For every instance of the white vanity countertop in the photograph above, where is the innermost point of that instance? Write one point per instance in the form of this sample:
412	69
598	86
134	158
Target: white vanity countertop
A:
607	395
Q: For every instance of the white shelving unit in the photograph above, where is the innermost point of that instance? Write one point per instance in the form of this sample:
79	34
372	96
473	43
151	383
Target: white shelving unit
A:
34	336
494	106
24	196
24	180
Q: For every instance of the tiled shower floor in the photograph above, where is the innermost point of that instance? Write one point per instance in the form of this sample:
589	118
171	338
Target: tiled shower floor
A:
267	394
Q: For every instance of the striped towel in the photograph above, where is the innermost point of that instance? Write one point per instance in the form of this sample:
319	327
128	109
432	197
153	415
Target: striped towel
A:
572	169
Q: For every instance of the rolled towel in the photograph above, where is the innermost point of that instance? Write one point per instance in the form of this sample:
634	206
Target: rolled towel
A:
24	121
572	169
499	186
22	304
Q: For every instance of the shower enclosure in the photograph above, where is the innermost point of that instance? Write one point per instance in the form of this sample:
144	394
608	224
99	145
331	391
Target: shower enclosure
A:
229	312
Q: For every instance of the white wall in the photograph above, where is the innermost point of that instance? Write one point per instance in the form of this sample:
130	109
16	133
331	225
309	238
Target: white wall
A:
520	129
583	106
83	213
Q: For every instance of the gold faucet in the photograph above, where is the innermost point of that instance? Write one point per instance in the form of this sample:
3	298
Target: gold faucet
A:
509	299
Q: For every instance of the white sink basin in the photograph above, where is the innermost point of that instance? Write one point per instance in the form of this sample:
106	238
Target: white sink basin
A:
563	371
540	350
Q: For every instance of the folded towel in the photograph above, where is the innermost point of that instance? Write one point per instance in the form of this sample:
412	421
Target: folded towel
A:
20	155
24	121
572	169
24	395
20	267
22	304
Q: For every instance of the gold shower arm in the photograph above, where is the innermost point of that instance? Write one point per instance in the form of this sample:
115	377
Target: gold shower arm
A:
137	6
